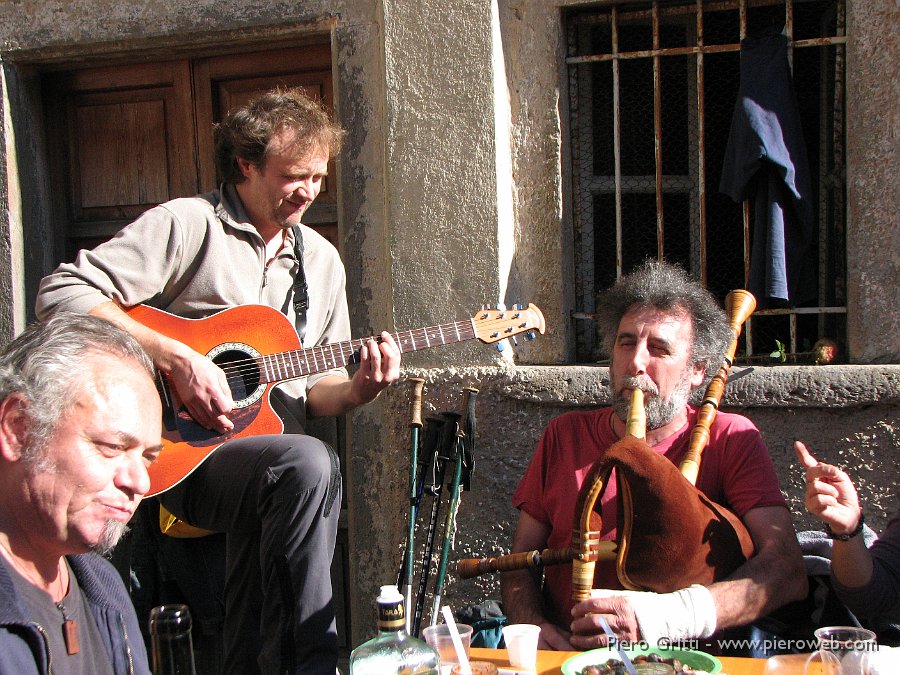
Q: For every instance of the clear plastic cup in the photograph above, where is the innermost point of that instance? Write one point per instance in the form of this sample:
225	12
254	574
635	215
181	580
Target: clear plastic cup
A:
439	638
843	650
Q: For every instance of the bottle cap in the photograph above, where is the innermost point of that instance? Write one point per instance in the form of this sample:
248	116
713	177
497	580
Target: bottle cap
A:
390	594
170	620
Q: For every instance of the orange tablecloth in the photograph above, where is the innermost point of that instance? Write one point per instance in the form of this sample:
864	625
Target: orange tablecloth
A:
549	662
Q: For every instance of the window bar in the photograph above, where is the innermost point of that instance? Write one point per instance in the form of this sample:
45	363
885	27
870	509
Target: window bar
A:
745	210
742	18
831	197
839	148
793	331
617	154
789	31
701	150
748	325
707	49
582	150
657	135
824	186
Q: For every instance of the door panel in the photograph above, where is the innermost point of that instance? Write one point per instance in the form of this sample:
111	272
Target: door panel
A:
128	138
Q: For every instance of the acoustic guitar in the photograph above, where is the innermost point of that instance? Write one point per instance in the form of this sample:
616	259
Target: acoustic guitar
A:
257	347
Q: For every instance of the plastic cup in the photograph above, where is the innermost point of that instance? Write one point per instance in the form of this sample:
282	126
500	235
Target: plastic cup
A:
438	637
843	650
521	644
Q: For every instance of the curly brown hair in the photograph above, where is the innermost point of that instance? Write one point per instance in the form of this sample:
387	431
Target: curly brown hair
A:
247	131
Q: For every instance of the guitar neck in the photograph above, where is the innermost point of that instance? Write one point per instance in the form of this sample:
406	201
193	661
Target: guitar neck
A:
298	363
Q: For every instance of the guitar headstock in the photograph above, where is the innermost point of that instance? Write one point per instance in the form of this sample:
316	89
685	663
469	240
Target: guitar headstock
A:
493	325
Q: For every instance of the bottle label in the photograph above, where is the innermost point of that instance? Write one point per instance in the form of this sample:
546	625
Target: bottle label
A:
391	616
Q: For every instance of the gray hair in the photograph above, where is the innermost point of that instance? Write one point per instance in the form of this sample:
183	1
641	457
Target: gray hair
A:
45	364
668	288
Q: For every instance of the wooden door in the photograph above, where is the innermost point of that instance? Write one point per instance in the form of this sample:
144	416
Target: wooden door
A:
125	138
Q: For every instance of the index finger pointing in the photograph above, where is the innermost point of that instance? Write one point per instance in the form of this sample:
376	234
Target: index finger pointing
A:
806	459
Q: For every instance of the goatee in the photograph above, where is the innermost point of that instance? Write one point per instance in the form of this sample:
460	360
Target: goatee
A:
113	531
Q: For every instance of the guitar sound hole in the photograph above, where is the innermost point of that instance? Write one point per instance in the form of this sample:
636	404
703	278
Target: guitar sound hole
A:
241	370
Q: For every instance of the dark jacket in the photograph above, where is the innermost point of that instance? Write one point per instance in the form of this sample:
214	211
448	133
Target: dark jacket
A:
23	648
766	160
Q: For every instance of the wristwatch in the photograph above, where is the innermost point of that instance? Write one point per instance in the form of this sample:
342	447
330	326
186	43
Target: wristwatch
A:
849	535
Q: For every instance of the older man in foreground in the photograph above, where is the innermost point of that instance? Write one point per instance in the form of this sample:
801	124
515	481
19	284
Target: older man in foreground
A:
79	425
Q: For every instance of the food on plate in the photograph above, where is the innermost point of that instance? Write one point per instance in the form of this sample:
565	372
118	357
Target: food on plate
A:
616	667
477	668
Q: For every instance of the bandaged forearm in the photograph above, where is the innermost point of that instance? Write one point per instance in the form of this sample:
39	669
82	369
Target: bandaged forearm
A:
688	613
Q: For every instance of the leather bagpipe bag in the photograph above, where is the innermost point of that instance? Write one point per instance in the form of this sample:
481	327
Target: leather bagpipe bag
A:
673	535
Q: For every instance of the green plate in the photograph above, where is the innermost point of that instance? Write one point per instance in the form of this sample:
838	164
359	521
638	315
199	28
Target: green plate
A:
695	659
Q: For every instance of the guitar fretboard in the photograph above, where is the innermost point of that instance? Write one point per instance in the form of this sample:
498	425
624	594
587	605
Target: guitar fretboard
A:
303	362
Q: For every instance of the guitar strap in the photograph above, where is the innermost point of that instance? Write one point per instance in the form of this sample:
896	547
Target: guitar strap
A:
301	289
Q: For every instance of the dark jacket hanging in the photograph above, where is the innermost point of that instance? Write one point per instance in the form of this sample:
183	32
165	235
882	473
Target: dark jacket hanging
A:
765	160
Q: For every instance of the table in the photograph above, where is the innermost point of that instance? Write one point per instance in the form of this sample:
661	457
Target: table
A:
549	662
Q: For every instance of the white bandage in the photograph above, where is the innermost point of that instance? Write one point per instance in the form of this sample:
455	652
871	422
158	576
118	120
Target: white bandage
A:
682	615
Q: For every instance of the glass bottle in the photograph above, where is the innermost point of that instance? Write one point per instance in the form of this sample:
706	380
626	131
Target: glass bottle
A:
170	640
393	650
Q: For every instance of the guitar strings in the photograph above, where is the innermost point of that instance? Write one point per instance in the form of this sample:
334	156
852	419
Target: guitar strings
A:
295	359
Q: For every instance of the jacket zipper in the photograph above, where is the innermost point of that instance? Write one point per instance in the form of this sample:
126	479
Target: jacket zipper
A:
128	651
46	639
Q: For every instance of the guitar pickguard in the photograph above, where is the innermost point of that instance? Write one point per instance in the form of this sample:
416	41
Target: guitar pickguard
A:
191	433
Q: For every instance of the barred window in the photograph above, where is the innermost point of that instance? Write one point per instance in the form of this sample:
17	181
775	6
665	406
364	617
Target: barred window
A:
652	89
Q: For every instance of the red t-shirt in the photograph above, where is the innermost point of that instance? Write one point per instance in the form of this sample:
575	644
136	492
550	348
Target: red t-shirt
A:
736	471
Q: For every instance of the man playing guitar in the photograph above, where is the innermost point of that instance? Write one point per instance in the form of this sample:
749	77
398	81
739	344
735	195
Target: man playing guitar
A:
276	496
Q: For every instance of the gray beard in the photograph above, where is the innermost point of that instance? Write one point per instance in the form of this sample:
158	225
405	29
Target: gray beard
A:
113	531
659	411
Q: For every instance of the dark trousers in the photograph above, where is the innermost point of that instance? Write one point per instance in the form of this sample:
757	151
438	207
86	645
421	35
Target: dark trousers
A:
277	499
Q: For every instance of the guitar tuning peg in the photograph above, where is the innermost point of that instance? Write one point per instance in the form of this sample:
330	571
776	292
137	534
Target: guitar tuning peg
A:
501	346
518	306
501	307
529	336
514	341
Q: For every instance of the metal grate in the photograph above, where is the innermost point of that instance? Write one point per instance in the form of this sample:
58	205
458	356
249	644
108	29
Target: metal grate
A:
652	87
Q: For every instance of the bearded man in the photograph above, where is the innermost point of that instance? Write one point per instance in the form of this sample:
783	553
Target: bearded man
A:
664	333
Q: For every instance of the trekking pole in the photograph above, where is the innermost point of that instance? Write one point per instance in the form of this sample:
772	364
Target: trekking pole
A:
434	429
434	486
415	427
465	437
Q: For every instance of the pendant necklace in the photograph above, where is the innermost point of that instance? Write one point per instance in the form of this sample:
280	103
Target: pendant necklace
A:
70	630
